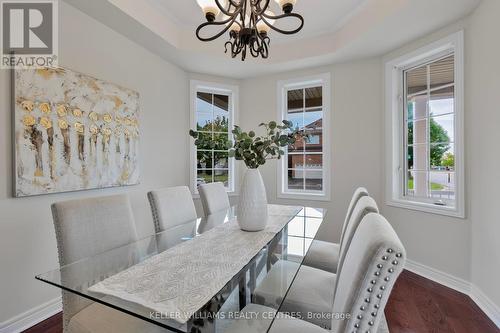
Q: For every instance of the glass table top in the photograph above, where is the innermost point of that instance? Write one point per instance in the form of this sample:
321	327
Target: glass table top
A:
288	244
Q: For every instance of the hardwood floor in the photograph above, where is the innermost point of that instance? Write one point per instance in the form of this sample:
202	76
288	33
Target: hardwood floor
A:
52	325
417	305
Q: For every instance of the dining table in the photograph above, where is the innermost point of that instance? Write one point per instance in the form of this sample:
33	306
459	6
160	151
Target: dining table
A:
199	275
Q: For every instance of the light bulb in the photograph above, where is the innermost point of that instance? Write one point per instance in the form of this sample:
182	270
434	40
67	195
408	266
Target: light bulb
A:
284	2
235	27
286	5
210	8
262	27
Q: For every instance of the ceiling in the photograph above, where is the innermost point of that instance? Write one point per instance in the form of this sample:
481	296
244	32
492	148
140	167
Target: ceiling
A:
334	31
188	15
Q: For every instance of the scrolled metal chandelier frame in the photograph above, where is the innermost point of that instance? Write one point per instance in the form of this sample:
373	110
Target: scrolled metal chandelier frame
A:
248	23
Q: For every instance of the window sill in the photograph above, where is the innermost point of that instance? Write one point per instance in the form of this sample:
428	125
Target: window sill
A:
426	207
230	194
304	196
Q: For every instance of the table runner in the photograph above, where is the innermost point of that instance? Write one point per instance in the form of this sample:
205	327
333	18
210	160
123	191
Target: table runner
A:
179	281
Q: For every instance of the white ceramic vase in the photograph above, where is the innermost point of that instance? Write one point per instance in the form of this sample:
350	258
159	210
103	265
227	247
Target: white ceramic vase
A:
252	208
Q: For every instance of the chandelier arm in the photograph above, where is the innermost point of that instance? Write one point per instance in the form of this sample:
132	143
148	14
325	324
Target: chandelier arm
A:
230	20
234	50
263	41
225	46
255	47
260	10
244	54
254	53
276	18
264	51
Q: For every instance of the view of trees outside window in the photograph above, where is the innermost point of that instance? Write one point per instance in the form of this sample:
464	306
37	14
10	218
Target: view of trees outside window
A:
430	118
212	123
305	159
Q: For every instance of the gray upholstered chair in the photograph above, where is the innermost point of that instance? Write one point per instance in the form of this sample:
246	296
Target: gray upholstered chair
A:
325	255
172	208
213	197
314	287
85	228
372	264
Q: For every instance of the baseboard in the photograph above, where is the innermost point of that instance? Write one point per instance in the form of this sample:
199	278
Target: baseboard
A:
458	284
486	304
31	317
438	276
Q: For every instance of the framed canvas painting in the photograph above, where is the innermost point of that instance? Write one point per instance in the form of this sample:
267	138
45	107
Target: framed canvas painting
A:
72	132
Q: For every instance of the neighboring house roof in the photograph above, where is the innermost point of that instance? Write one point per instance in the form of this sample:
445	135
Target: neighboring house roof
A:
315	126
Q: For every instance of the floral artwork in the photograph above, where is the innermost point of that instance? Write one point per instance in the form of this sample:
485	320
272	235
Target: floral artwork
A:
73	132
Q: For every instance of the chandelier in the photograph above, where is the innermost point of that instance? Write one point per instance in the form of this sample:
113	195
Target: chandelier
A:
248	23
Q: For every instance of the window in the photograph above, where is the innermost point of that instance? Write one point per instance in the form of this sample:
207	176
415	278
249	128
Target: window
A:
213	110
426	111
304	171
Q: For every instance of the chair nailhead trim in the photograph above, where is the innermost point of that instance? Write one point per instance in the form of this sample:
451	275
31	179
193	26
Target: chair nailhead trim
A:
373	282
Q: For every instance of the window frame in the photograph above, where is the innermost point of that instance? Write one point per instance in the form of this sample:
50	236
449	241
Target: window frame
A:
323	80
395	128
213	88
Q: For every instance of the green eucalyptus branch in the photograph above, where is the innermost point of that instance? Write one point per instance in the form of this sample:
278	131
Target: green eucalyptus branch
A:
255	150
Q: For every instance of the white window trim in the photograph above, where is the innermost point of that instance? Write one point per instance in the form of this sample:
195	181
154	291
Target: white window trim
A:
394	120
212	87
305	82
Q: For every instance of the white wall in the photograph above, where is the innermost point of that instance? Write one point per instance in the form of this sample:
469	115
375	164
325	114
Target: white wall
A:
356	121
27	241
467	248
482	136
436	241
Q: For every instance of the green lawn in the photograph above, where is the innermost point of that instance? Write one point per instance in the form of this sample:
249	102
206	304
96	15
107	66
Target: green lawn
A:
434	186
217	178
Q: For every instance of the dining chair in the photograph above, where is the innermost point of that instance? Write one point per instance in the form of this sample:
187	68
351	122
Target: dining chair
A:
325	255
318	285
372	265
85	228
213	197
172	208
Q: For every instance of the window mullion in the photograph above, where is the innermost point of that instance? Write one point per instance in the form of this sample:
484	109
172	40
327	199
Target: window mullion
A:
303	141
428	132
